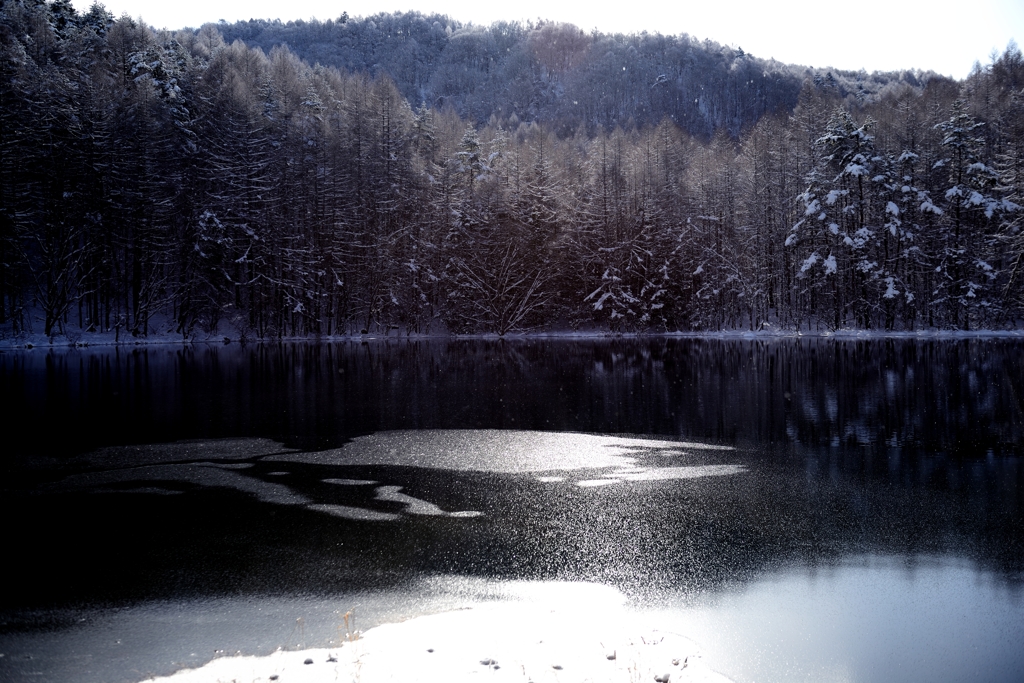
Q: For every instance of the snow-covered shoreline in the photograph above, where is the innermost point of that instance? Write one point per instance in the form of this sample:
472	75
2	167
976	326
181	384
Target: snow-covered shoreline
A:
499	642
107	340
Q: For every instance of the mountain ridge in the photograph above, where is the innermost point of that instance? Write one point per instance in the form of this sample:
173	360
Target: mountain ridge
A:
558	75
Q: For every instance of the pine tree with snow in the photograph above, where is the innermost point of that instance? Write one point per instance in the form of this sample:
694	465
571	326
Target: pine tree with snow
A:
972	208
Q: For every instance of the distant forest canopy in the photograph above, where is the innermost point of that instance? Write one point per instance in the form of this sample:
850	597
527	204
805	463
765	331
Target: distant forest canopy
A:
429	177
557	75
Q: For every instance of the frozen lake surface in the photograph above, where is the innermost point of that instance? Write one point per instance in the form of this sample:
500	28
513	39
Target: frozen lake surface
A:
800	510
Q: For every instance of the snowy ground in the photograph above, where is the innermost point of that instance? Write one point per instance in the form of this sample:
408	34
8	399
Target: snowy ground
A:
496	642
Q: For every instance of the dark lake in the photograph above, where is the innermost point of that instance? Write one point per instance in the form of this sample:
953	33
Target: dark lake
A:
803	509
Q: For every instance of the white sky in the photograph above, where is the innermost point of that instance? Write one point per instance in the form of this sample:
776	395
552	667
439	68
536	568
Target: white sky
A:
946	36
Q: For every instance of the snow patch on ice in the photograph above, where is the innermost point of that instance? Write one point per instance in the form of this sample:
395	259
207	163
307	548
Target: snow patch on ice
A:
570	635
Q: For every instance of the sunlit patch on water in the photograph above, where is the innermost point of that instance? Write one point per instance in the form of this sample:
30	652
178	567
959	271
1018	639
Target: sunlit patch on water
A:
668	473
355	513
661	474
415	506
493	450
554	456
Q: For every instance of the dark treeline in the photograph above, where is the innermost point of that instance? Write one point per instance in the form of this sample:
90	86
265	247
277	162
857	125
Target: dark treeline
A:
155	181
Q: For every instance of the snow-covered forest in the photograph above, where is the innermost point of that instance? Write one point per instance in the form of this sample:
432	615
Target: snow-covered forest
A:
429	177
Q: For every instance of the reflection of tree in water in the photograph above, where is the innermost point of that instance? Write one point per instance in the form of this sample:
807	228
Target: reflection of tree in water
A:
892	401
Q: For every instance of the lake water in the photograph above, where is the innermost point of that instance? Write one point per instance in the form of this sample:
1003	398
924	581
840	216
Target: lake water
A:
805	510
